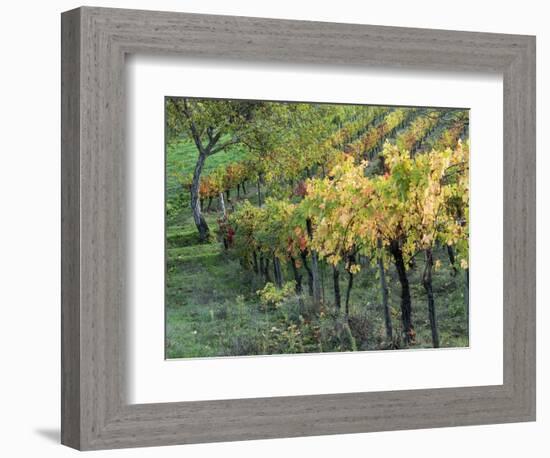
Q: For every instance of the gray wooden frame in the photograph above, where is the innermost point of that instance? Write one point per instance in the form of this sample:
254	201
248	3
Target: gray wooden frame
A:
95	413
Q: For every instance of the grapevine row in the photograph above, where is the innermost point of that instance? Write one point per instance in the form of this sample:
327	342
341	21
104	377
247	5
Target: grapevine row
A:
417	203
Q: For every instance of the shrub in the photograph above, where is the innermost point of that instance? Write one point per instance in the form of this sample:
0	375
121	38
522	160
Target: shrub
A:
361	329
336	336
285	339
244	345
272	297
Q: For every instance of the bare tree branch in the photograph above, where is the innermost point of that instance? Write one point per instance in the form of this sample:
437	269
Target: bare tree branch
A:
194	130
223	145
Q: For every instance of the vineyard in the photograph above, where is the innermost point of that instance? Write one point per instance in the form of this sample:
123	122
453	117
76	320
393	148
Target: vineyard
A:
299	227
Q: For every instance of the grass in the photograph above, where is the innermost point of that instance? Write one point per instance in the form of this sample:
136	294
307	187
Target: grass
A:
181	157
213	310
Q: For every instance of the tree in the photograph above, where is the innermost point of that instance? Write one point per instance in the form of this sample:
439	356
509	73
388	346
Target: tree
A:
302	236
446	178
272	233
244	222
422	196
213	126
457	207
331	203
384	289
409	208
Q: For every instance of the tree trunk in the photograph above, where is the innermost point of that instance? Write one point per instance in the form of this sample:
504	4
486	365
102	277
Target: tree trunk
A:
451	254
200	222
406	312
323	283
255	262
244	188
384	288
277	272
303	255
209	204
467	295
261	265
314	270
297	276
351	260
266	271
336	281
259	192
222	205
238	191
348	293
427	282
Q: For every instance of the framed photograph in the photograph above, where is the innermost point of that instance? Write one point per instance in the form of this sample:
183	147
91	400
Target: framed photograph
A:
277	228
